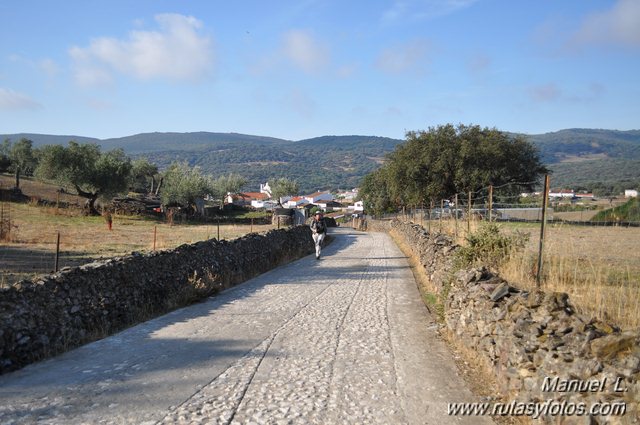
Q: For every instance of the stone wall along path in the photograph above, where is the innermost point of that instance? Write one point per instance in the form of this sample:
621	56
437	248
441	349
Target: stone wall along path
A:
344	339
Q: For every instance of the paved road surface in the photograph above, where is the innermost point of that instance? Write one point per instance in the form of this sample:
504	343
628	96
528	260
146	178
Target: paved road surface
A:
338	341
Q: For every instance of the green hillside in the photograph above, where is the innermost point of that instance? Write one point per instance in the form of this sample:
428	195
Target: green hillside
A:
605	161
155	142
48	139
598	176
575	145
314	163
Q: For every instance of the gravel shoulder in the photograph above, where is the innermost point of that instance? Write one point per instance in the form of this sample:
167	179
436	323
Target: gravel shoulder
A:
344	339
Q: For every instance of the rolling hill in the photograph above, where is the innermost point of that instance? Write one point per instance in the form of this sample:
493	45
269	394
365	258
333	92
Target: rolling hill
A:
578	157
602	161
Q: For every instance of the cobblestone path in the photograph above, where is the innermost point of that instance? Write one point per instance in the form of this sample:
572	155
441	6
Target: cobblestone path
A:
343	340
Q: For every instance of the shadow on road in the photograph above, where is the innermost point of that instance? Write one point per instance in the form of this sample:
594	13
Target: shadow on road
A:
112	358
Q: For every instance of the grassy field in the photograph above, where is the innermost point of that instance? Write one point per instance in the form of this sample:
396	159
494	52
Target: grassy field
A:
30	248
597	266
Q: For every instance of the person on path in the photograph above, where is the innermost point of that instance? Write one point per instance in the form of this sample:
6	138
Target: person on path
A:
318	231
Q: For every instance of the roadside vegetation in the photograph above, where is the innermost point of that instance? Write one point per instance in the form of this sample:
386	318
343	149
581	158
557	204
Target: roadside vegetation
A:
104	204
445	160
627	212
29	227
597	266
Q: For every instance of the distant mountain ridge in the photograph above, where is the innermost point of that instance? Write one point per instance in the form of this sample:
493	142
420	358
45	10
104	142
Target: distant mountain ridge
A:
341	161
151	142
584	144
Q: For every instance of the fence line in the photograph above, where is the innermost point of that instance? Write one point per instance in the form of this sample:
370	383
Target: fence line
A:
488	204
32	251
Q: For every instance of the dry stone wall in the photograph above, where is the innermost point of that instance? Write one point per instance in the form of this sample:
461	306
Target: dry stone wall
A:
543	353
54	313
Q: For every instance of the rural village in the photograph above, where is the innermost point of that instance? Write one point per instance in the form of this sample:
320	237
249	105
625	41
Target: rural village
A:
411	212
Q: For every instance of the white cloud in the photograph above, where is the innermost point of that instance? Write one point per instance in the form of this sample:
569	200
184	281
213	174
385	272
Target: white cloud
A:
619	25
177	51
409	57
419	10
550	92
99	105
305	52
11	100
545	93
593	93
49	67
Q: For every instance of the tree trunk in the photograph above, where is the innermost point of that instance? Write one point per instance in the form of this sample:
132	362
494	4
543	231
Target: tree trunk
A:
17	177
89	205
159	185
153	184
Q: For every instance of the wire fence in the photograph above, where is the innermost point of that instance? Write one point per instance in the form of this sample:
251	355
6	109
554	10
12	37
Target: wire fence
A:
488	204
42	240
585	246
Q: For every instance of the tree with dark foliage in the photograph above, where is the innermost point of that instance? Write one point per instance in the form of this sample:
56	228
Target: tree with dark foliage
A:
93	174
445	160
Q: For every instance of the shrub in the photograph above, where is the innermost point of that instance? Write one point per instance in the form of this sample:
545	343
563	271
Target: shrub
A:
490	247
629	211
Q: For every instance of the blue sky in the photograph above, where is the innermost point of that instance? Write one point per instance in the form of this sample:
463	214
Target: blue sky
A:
297	69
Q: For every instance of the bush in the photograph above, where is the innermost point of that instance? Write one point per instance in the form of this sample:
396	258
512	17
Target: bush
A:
629	211
490	247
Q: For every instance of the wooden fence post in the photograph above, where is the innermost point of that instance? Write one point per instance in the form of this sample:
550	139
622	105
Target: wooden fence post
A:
55	268
545	200
490	201
469	215
455	215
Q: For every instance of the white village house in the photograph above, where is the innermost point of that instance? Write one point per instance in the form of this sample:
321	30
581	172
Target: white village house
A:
295	202
314	198
266	189
562	193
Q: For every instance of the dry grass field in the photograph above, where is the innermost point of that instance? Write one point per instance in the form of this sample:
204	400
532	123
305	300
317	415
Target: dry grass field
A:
32	245
30	248
598	266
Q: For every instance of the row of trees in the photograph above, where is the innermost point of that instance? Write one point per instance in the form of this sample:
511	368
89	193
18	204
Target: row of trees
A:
445	160
94	174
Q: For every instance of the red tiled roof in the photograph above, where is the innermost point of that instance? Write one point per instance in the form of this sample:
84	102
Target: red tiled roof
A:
255	195
313	195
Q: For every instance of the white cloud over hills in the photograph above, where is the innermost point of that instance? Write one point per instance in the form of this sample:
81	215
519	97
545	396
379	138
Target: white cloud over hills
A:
11	100
177	51
619	25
